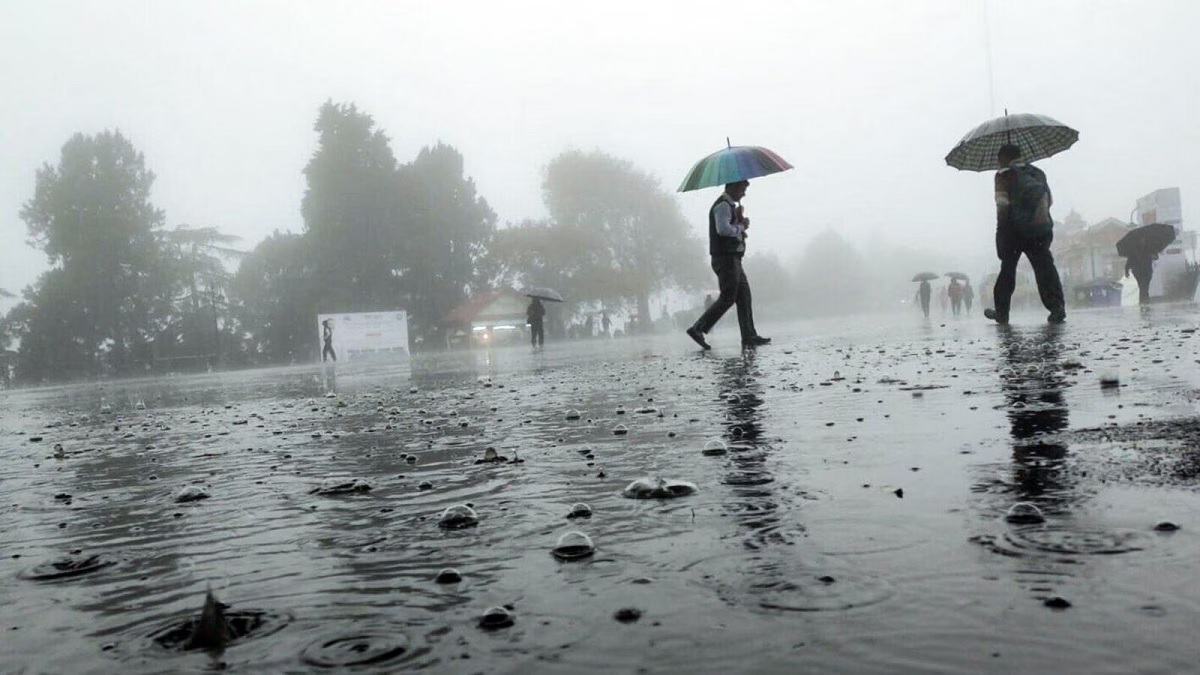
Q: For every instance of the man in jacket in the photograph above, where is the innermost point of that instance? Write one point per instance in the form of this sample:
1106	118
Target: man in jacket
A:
727	227
1024	229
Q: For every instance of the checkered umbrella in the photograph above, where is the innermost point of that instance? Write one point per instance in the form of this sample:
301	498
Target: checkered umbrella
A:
1038	136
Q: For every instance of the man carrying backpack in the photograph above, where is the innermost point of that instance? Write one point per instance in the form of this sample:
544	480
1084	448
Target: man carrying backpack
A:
1024	226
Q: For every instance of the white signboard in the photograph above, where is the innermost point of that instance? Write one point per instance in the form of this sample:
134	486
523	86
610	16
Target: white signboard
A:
346	336
1160	206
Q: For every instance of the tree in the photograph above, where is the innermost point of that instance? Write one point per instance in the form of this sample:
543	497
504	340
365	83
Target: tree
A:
629	237
770	281
273	296
195	280
350	212
831	276
93	218
445	231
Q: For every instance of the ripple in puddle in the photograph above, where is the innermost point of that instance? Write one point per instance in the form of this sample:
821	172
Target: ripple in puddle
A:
1060	540
783	587
243	625
362	649
359	542
66	568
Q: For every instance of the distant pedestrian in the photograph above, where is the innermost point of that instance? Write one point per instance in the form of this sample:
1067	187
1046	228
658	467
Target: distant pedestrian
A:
727	225
327	338
1142	266
1024	226
968	296
955	291
535	315
605	324
923	294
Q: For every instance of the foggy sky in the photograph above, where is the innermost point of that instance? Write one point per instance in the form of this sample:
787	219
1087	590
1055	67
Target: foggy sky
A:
864	98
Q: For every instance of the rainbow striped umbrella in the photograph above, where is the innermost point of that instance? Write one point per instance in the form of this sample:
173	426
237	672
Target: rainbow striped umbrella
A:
733	164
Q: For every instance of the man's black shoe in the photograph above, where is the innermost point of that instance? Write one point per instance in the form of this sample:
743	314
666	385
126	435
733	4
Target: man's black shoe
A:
698	337
991	314
1057	316
756	341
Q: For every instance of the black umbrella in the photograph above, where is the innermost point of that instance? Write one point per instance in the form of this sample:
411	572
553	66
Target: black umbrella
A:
544	294
1146	241
958	275
924	276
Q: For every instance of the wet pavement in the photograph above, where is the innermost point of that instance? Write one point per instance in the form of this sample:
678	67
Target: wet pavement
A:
852	517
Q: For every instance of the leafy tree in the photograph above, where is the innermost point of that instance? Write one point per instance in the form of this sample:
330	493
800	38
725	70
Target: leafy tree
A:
350	212
194	278
93	218
274	299
628	236
770	281
445	232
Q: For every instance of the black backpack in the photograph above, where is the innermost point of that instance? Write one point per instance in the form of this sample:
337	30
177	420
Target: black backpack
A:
1029	202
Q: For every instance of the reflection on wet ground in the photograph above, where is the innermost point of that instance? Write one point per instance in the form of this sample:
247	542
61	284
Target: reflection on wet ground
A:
841	500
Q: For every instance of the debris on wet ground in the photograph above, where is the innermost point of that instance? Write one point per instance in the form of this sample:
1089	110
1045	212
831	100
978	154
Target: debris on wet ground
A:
342	486
628	615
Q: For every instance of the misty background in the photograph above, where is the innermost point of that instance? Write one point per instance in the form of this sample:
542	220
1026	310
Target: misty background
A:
864	98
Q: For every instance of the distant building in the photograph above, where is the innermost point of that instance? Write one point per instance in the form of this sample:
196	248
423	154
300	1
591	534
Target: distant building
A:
1087	255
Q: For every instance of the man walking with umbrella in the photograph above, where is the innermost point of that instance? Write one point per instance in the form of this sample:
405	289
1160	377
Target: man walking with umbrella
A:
727	227
535	315
1023	200
733	167
1141	247
1024	226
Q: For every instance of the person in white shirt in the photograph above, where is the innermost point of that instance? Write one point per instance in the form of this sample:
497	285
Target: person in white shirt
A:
727	225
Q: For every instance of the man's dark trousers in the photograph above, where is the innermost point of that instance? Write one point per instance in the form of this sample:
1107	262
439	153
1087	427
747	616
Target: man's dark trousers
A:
1009	247
735	289
1143	272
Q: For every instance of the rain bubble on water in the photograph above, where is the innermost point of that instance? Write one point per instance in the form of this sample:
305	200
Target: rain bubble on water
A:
580	510
457	517
1024	513
715	446
495	618
190	493
574	414
620	430
448	575
574	545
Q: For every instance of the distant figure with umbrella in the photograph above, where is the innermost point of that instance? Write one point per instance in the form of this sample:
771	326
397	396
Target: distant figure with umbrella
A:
1140	248
1023	200
535	315
924	291
732	167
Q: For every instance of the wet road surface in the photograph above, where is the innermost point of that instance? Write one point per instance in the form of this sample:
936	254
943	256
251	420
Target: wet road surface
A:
851	483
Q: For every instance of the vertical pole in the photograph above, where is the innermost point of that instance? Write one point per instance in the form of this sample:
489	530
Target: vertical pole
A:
987	45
